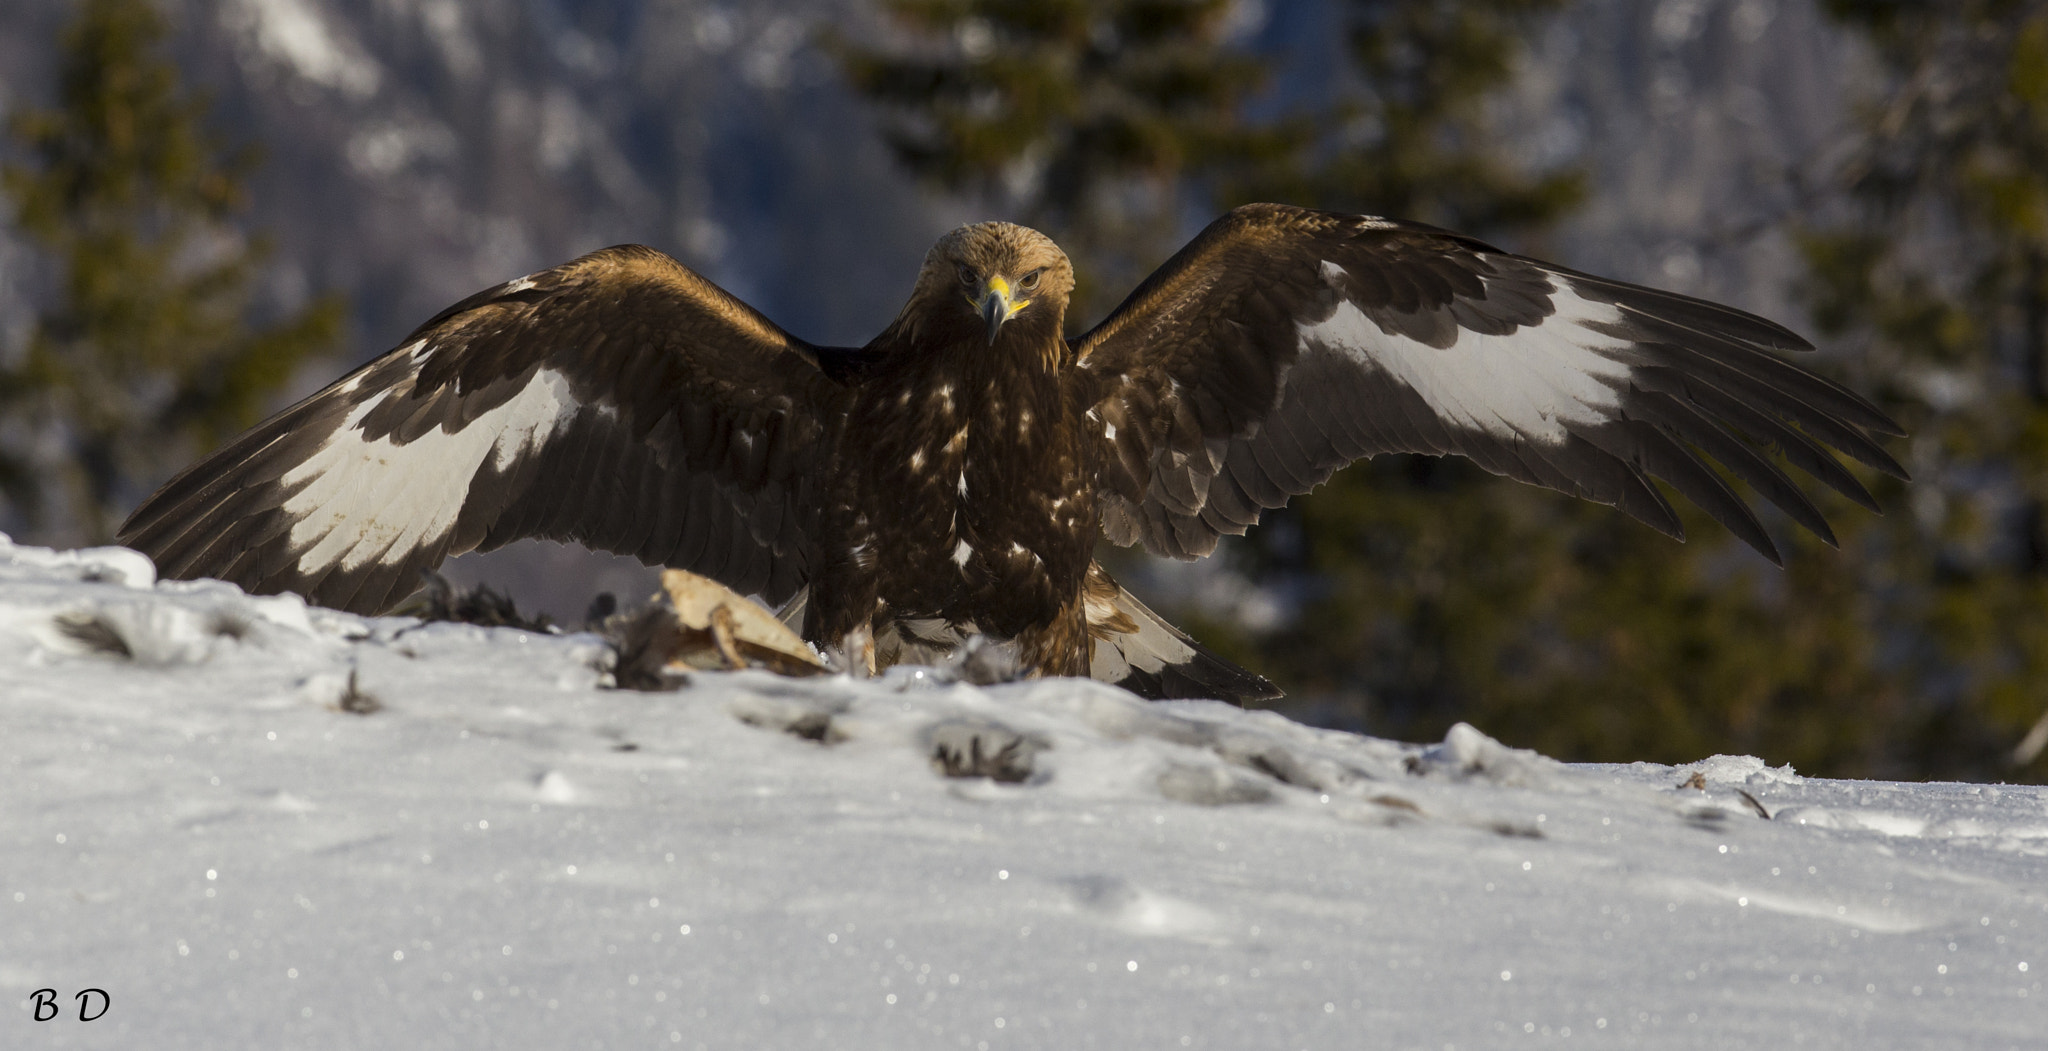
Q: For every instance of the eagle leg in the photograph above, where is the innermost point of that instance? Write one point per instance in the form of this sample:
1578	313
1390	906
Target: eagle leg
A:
1062	647
857	651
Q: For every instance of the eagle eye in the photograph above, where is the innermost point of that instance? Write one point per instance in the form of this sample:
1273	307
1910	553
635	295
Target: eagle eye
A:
967	276
1030	281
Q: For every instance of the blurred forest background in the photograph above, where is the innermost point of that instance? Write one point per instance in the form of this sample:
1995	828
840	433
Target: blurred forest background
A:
213	206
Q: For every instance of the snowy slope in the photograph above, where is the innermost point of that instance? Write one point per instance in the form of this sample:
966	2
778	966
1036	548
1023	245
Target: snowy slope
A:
505	853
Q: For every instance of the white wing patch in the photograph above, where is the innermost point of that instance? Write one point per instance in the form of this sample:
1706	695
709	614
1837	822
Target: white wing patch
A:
366	498
1530	383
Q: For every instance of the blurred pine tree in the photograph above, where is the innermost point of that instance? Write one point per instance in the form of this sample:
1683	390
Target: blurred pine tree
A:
1426	591
1084	118
1934	262
147	356
1406	133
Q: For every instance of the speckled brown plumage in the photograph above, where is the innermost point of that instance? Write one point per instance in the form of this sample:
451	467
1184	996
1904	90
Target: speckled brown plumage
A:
968	449
950	477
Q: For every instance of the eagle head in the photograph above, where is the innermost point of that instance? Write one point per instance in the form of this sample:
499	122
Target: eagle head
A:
987	274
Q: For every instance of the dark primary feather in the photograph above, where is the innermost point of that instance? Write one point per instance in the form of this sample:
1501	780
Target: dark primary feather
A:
1237	375
678	443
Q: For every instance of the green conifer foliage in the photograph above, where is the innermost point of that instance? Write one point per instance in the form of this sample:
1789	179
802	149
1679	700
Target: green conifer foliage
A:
1936	265
1409	135
146	355
1083	118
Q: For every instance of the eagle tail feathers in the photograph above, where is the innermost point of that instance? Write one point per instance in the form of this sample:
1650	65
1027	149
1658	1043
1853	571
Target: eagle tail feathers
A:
1140	651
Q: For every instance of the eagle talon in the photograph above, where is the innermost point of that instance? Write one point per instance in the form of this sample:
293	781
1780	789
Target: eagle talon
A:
722	637
856	655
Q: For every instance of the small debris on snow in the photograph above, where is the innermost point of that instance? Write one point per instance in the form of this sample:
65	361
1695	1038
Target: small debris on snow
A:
800	714
483	605
981	749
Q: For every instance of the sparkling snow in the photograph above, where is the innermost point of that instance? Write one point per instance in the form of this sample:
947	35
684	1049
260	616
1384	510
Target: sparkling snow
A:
268	825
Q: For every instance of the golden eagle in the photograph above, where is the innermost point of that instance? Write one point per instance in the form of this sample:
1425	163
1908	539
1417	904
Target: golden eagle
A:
949	478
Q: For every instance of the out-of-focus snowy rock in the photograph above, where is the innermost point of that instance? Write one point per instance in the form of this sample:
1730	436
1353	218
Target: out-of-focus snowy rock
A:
1742	770
256	823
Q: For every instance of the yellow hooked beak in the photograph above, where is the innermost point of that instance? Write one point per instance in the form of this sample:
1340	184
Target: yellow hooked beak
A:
996	306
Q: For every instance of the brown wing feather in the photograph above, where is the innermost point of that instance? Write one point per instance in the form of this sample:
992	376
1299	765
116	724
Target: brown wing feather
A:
1282	343
619	401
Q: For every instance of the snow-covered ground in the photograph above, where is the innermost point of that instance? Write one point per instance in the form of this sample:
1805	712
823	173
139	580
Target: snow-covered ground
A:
479	844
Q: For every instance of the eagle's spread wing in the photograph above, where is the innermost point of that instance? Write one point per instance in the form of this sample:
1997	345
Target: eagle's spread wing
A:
620	401
1282	344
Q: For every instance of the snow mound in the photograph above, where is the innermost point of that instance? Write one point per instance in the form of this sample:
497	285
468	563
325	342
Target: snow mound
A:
255	823
1742	770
